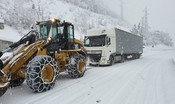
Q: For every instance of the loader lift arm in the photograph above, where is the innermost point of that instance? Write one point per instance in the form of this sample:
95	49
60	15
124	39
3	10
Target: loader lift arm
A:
29	37
25	48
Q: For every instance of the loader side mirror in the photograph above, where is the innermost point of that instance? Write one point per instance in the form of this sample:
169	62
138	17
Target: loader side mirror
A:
31	27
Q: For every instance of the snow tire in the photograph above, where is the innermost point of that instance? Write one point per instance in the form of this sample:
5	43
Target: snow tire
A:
34	73
75	71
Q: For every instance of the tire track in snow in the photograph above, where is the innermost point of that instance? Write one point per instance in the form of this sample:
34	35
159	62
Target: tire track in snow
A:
133	82
90	79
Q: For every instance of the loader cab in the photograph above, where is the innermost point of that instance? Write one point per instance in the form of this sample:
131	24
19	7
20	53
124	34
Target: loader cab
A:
66	35
58	35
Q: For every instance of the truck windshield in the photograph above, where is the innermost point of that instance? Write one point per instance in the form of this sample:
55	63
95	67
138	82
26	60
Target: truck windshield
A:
94	41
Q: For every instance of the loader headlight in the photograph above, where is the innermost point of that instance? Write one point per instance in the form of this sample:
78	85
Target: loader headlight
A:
49	39
53	20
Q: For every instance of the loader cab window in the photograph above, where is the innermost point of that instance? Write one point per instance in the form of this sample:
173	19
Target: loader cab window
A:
70	37
60	30
44	30
70	32
53	31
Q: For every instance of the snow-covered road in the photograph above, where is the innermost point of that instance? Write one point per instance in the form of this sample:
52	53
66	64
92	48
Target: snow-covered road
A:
148	80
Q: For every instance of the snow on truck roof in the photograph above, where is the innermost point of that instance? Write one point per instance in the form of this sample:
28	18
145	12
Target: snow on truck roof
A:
9	34
110	28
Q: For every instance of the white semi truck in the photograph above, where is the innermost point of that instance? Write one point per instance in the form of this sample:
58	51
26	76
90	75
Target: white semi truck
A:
107	46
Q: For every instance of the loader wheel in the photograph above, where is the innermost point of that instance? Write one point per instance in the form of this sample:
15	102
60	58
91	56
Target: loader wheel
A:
77	66
41	73
16	82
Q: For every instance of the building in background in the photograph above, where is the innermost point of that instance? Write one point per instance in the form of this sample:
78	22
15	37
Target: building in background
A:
8	35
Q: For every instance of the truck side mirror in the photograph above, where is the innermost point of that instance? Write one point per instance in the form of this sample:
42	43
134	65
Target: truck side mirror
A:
108	40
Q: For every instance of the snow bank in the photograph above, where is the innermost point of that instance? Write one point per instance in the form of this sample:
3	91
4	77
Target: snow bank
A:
148	48
9	34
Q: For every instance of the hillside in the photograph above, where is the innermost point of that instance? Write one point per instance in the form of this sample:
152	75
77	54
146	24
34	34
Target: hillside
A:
84	17
84	14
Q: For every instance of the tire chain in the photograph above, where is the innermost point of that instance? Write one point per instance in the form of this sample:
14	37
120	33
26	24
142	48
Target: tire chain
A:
34	80
73	72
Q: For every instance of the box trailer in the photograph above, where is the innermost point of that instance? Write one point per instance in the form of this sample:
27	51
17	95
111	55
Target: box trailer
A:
107	46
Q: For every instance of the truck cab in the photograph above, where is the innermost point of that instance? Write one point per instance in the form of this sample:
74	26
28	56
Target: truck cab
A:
100	44
107	46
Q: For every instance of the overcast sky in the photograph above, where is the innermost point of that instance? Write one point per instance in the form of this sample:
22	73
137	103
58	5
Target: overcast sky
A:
161	13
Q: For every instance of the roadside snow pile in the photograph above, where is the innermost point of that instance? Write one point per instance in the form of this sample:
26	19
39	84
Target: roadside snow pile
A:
9	34
149	49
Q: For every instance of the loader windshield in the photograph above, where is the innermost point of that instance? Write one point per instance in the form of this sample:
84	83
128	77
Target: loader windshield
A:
44	30
53	31
94	41
50	30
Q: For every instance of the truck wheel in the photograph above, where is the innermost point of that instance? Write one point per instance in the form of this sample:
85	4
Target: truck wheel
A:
111	61
41	73
122	59
17	82
139	55
135	56
77	66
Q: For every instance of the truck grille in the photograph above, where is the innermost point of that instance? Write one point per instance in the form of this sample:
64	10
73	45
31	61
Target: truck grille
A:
94	57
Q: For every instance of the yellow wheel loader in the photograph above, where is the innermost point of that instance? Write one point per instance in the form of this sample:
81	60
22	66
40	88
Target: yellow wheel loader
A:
41	55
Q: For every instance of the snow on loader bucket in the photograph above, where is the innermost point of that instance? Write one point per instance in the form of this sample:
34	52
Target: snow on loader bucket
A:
41	55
